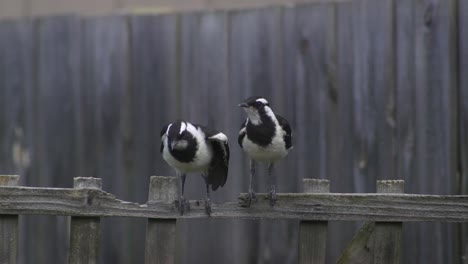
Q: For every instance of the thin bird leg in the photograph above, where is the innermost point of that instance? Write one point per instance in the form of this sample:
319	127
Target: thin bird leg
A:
273	183
207	199
252	196
183	204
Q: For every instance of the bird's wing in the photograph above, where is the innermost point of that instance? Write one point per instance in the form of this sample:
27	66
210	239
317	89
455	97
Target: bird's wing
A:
287	128
162	136
242	133
218	171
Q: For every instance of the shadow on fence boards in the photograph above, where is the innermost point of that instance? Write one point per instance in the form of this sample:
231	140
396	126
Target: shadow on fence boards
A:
374	90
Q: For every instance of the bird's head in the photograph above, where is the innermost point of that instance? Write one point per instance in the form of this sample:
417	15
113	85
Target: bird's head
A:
177	135
255	106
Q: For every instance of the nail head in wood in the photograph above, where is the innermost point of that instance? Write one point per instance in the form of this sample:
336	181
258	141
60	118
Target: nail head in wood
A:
87	183
163	188
316	185
9	180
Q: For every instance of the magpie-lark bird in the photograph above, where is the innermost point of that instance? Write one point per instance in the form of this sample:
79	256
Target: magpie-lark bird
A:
265	137
191	148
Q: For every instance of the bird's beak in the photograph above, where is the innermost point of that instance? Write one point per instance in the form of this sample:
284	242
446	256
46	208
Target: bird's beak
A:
243	105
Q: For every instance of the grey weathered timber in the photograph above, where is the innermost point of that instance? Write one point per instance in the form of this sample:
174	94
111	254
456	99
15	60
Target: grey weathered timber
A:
56	103
254	68
359	250
9	228
436	127
107	71
345	146
378	242
324	207
204	95
313	234
161	233
463	112
84	231
387	237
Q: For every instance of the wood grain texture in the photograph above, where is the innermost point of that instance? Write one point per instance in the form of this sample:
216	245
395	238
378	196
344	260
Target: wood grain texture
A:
154	102
463	113
359	249
435	122
160	247
84	231
255	68
107	70
346	207
387	236
9	227
313	234
56	122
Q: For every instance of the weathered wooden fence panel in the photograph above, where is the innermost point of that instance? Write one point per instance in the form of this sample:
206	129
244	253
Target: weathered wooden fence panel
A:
463	113
435	121
370	88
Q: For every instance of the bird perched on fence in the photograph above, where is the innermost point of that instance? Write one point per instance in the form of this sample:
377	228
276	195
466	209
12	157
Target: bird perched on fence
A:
265	137
190	148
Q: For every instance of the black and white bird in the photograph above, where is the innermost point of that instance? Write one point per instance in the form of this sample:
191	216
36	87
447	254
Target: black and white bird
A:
190	148
265	137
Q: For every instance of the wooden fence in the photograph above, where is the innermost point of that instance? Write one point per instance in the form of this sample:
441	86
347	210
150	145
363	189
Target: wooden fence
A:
86	203
374	90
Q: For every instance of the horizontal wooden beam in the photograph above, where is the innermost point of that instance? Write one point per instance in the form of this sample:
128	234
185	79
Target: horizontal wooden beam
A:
296	206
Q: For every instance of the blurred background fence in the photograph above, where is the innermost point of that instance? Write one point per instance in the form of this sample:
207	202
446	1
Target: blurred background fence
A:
374	89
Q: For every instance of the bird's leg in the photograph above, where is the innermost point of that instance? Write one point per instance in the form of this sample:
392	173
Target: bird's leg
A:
207	199
272	187
183	205
252	196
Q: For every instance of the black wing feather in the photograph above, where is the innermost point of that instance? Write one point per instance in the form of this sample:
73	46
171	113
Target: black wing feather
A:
287	128
218	171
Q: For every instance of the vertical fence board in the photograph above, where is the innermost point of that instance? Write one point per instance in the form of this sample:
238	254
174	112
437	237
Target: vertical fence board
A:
154	101
9	227
107	75
161	233
16	104
255	64
344	156
405	121
435	144
463	113
313	234
56	115
387	240
84	231
204	96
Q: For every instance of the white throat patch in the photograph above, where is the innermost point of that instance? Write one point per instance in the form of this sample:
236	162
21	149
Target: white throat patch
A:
253	115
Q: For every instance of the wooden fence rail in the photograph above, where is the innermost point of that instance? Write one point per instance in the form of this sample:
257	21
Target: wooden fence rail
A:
86	203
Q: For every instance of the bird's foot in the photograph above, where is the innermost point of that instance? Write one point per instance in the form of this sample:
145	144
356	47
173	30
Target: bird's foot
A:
251	198
182	205
208	206
272	196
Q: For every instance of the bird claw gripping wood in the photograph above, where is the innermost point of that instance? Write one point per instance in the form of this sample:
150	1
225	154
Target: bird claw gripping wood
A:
182	205
208	206
251	197
272	196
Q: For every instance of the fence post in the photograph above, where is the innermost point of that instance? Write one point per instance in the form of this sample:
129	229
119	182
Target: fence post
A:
9	227
161	233
313	234
387	240
84	231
